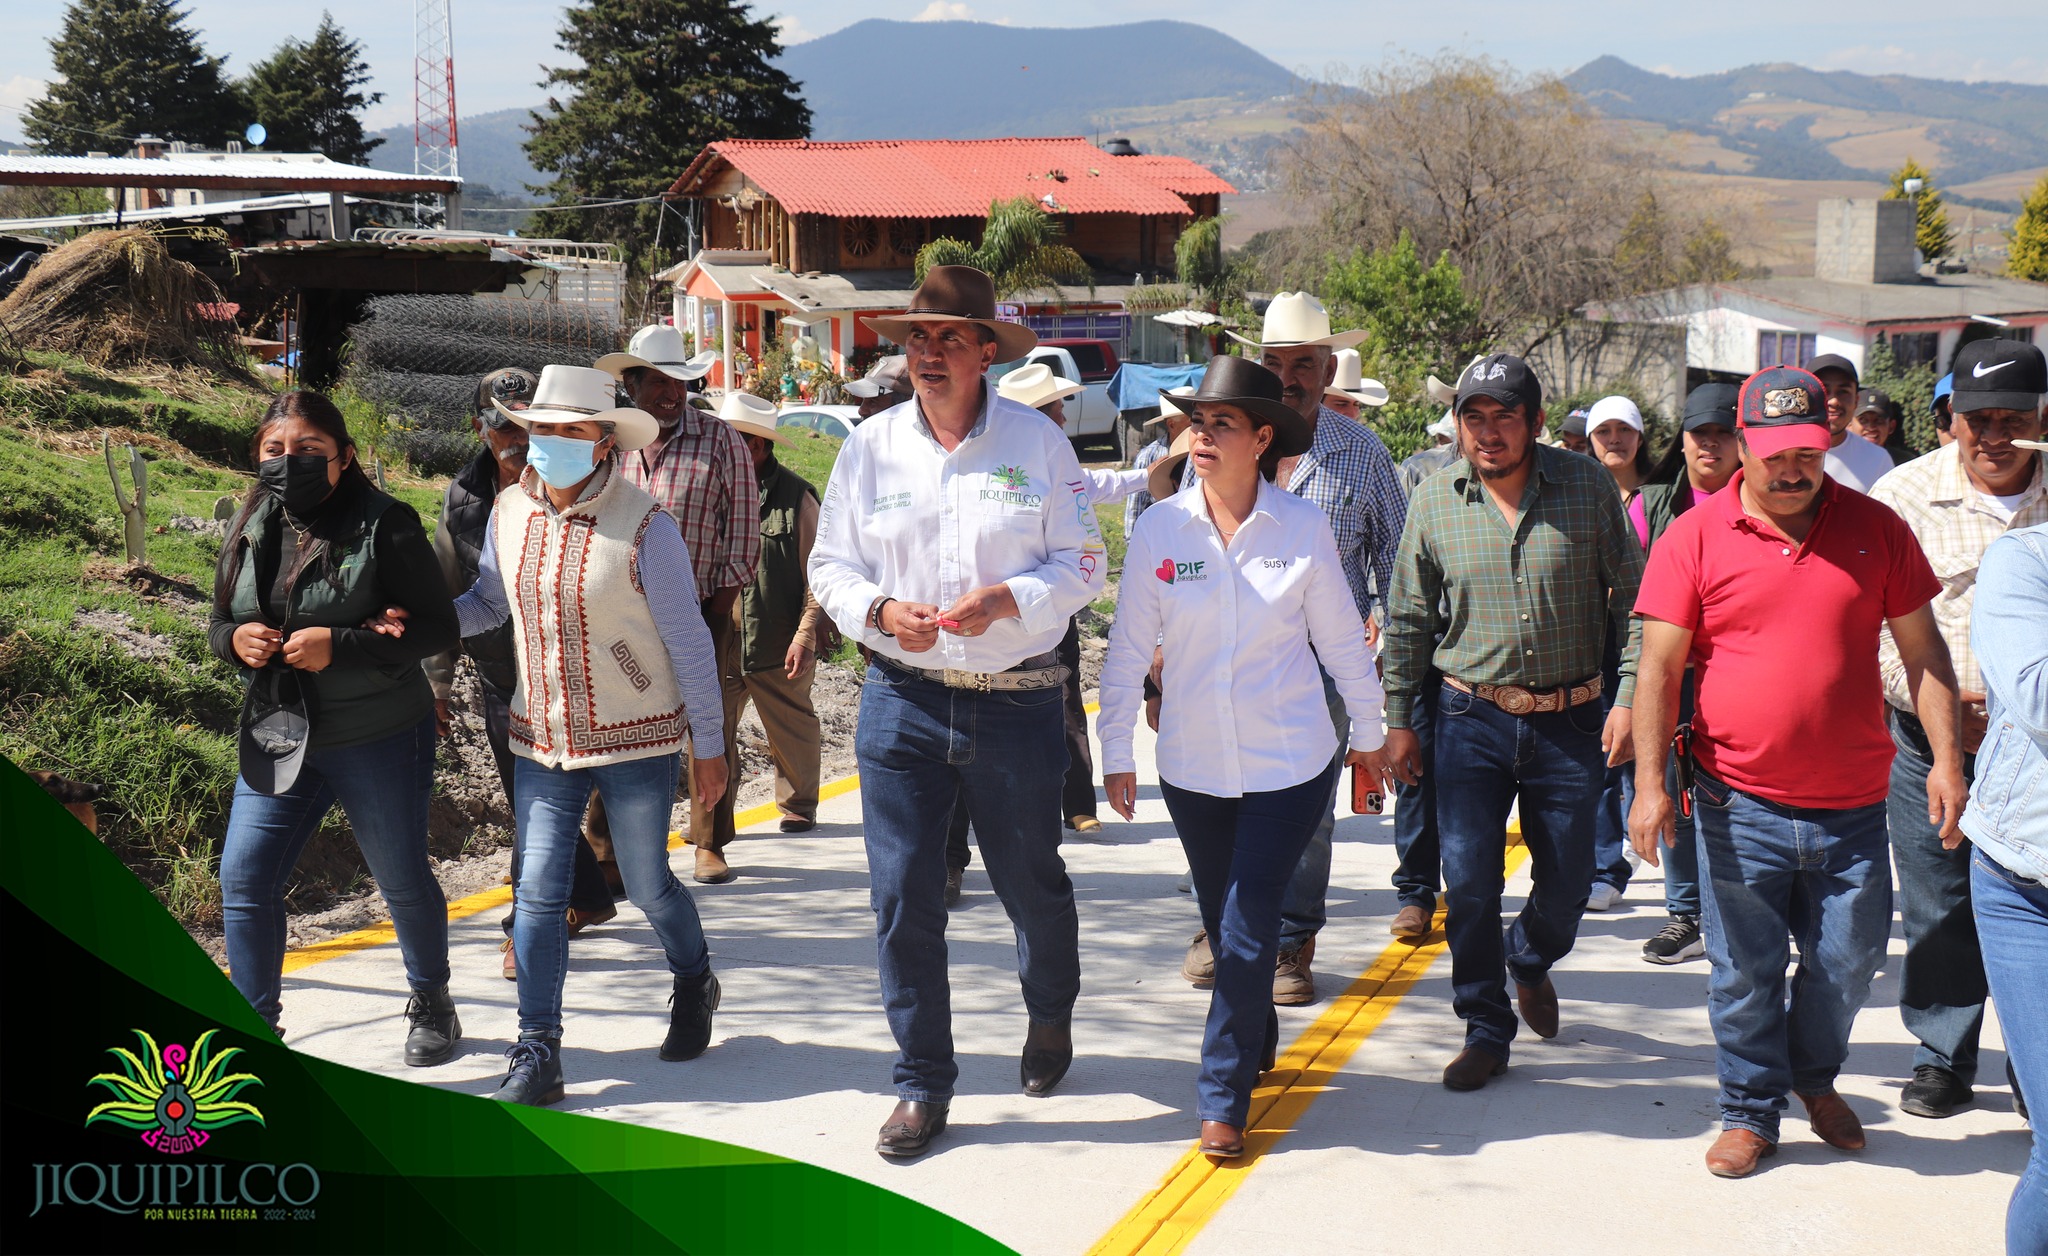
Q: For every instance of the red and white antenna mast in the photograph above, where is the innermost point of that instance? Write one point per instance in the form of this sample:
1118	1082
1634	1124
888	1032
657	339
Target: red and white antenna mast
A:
433	93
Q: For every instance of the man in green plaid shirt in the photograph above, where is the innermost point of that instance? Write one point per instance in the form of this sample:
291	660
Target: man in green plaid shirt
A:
1519	557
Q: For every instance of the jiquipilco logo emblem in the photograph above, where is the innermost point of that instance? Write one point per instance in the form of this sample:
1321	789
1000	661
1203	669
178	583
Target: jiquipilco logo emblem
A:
175	1098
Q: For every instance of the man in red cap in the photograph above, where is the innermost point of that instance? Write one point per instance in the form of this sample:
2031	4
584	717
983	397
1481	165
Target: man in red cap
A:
1775	589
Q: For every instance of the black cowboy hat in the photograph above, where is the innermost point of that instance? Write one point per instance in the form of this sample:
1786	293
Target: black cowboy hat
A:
1241	382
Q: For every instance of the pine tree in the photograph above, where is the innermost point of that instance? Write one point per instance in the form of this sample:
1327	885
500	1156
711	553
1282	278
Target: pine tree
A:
127	68
658	80
2026	254
1931	233
308	96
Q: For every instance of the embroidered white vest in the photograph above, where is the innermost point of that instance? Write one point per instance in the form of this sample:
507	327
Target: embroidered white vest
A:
595	682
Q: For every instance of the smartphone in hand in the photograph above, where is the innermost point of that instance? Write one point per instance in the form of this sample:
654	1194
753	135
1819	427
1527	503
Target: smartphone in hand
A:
1366	799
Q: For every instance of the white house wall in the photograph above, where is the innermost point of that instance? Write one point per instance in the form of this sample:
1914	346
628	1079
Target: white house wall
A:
1724	338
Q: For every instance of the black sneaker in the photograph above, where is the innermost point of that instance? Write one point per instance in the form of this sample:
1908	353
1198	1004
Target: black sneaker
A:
1934	1092
689	1017
436	1030
1678	940
534	1077
2019	1101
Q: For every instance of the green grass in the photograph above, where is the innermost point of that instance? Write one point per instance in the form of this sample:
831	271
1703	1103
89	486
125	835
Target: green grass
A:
809	454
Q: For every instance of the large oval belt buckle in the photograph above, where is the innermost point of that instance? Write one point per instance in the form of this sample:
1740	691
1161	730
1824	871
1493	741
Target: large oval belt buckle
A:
1515	700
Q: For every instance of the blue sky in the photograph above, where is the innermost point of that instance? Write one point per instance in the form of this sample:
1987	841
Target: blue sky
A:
500	47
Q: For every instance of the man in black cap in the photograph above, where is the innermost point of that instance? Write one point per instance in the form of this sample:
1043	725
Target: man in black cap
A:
1514	563
1571	434
1957	500
1877	421
1856	463
458	544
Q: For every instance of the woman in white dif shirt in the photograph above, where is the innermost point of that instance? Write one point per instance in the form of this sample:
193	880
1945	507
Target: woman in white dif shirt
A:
1240	583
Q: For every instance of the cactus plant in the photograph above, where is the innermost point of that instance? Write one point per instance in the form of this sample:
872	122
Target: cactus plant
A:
134	511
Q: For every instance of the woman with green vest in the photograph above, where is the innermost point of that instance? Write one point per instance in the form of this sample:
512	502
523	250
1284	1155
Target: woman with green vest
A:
315	553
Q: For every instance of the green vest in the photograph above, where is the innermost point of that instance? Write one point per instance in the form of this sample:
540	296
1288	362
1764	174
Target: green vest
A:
772	606
354	704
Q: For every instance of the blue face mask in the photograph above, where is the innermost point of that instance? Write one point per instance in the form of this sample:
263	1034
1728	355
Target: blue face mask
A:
561	461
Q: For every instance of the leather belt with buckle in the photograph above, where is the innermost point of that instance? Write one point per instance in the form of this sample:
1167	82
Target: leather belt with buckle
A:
1516	700
1041	672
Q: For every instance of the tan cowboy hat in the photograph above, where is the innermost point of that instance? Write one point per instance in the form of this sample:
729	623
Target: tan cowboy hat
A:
571	394
957	294
658	348
1036	385
1351	382
1170	402
1164	479
1447	394
1294	319
752	416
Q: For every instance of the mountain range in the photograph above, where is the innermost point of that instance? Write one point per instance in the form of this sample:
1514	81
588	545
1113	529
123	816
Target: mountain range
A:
1183	88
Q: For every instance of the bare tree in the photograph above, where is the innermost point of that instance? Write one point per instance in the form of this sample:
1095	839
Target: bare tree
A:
1537	200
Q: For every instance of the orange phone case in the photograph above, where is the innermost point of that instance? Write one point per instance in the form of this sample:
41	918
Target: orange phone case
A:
1365	800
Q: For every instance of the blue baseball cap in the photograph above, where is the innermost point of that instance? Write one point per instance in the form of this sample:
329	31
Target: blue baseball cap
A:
1942	389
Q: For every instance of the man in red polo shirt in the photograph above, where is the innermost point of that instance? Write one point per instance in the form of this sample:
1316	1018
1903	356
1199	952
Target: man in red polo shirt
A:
1775	588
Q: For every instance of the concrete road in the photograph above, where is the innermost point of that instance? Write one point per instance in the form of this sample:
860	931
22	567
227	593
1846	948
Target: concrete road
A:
1591	1144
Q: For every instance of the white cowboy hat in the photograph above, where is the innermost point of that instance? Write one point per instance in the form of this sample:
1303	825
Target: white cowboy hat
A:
1035	385
1167	407
1445	428
1294	319
659	348
888	375
1447	394
1351	382
572	394
751	416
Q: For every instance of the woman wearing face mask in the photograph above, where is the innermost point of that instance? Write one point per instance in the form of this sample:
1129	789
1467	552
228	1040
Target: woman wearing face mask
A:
615	667
314	553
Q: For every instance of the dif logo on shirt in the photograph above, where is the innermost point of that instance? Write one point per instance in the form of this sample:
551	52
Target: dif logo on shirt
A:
1180	573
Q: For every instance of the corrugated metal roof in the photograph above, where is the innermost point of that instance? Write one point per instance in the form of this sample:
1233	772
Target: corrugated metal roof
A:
172	213
203	169
939	178
1937	298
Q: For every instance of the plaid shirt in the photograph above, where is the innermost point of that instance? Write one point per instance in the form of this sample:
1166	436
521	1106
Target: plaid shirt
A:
704	476
1351	476
1135	504
1528	607
1954	525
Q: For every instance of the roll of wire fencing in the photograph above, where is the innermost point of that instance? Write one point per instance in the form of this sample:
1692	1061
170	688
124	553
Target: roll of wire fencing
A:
417	359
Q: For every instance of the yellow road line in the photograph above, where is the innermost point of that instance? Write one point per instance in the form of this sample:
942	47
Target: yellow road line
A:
1196	1187
499	895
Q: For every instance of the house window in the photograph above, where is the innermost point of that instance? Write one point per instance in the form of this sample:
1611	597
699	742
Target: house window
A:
1917	348
1785	348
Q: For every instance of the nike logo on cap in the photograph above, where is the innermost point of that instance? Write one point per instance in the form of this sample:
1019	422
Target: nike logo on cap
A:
1982	369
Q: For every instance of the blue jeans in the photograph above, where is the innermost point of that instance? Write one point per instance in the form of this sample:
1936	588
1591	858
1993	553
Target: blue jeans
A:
920	746
1776	874
1610	816
590	894
2012	922
1419	877
1941	984
383	787
549	803
1681	860
1486	760
1241	852
1305	909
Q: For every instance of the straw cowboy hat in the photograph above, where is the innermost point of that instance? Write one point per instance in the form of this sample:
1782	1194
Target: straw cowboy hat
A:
1163	481
1351	382
957	294
1294	319
658	348
571	394
751	416
1035	385
1241	382
1170	402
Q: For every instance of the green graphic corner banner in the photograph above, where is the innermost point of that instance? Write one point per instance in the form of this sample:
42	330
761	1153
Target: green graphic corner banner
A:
147	1108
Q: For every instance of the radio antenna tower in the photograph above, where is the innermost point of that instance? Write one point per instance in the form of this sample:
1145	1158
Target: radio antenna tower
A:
433	93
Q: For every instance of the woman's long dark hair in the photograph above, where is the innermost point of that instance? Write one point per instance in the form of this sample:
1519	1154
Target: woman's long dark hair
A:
1670	468
325	417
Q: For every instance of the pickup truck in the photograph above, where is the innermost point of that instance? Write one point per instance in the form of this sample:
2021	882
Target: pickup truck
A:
1091	363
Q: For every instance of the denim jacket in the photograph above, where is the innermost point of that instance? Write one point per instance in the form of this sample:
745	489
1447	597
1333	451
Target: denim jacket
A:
2008	812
